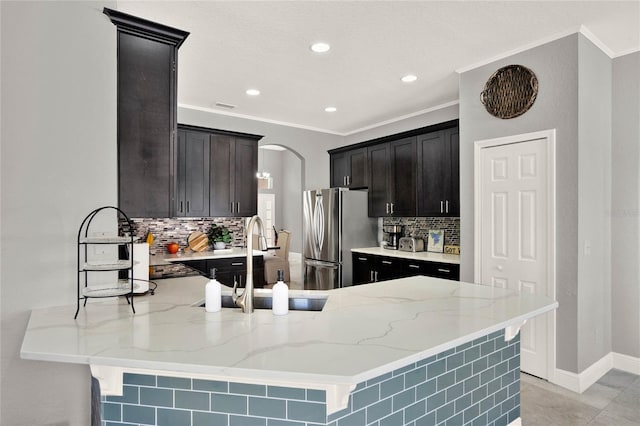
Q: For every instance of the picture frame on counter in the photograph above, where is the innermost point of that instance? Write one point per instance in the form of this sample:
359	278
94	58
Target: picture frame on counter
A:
435	241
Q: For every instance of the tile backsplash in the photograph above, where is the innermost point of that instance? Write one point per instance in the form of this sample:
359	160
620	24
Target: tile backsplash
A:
419	227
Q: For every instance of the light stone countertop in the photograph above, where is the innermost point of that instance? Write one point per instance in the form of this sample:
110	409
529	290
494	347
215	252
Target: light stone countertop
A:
209	254
362	332
420	255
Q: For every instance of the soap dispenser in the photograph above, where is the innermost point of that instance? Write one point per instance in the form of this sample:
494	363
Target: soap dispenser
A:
280	296
213	294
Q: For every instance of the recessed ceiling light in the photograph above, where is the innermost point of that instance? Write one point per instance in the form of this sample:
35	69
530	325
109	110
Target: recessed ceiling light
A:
320	47
331	109
253	92
410	78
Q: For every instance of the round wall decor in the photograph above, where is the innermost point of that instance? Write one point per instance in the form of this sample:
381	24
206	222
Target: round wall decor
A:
510	91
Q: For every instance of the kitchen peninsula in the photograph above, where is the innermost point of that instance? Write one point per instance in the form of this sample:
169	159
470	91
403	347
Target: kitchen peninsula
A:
394	352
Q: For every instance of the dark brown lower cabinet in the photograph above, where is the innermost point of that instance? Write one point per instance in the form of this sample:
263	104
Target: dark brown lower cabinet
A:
372	268
230	270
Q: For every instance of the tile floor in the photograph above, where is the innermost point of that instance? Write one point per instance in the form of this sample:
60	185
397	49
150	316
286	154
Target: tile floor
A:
614	400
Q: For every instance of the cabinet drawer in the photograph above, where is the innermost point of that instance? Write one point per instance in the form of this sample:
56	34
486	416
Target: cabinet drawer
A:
432	269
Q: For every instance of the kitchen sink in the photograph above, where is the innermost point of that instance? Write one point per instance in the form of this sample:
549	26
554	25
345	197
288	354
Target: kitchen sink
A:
266	302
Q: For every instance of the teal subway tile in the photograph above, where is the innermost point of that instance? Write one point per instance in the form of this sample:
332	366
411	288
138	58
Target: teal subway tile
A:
286	393
379	379
463	347
514	414
487	375
267	407
479	394
223	403
464	372
444	412
316	395
339	414
455	391
472	383
414	411
486	404
306	411
246	421
171	417
404	399
391	386
138	379
500	343
428	419
455	361
480	421
156	397
426	361
480	365
365	397
360	385
378	410
111	411
479	340
436	368
472	354
129	395
192	400
278	422
455	420
502	420
463	403
471	413
415	377
436	401
210	385
508	352
210	419
494	385
404	369
494	358
446	380
118	424
487	348
426	389
493	414
393	420
510	404
357	418
508	378
174	382
495	335
446	353
139	414
514	388
514	363
500	396
248	389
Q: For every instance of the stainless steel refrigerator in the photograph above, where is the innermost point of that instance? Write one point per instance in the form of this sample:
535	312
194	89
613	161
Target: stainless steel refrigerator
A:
335	221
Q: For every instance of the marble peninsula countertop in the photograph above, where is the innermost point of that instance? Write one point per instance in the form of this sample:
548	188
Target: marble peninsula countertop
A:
362	332
419	255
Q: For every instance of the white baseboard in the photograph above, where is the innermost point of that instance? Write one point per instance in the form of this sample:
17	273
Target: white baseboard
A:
579	382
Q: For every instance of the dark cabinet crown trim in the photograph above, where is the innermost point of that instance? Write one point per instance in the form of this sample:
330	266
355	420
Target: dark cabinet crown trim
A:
144	28
219	132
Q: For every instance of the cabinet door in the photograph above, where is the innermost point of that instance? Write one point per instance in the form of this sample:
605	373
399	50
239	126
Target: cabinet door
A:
362	271
378	200
402	182
357	168
220	196
244	184
432	177
387	268
146	124
193	174
338	169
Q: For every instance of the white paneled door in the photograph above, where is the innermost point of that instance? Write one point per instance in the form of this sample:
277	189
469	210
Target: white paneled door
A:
515	217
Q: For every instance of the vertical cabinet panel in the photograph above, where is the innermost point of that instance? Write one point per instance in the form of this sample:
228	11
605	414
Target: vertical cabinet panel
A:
378	158
245	183
192	189
221	199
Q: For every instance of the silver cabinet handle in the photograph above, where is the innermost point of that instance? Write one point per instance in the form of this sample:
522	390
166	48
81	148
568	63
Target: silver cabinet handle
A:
348	180
441	206
444	270
414	266
231	206
188	209
237	264
181	207
391	208
238	207
386	262
387	206
371	277
376	277
362	258
344	180
447	206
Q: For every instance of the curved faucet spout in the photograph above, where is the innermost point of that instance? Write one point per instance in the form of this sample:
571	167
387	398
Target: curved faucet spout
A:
245	300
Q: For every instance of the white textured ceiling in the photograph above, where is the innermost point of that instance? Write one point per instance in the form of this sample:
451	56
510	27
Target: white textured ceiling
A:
236	45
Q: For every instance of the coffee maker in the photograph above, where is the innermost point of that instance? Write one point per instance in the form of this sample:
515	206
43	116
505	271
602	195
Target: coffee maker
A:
393	234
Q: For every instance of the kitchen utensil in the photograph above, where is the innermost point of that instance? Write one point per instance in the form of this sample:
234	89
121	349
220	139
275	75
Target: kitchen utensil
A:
198	241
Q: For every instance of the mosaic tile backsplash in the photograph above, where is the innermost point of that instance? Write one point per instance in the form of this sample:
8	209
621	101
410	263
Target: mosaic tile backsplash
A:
419	227
476	383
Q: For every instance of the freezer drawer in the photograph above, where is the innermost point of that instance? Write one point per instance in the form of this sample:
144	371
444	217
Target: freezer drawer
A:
321	275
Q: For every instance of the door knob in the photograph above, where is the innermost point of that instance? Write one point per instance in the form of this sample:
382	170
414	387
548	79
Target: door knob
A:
499	268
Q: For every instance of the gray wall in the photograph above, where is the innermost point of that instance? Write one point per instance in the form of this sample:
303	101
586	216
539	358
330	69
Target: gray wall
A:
625	212
556	107
58	154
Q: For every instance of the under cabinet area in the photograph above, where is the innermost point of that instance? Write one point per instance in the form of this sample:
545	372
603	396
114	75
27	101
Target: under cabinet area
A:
216	173
368	268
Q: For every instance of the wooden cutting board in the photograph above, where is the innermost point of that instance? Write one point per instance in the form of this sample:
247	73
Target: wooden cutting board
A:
198	241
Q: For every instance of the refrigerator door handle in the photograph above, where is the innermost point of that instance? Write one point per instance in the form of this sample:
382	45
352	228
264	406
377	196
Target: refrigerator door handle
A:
318	219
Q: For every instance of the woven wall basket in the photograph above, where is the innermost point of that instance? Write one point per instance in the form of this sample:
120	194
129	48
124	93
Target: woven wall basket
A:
510	91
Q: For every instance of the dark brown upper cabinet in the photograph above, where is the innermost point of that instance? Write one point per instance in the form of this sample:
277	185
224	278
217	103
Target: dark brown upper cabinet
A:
439	173
193	174
146	112
349	168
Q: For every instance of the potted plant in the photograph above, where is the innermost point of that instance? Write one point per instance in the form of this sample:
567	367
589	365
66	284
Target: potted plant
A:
219	236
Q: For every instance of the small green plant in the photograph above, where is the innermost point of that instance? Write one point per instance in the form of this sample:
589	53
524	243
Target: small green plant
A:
219	234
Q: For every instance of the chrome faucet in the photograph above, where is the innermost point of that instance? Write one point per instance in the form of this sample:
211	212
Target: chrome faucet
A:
245	300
